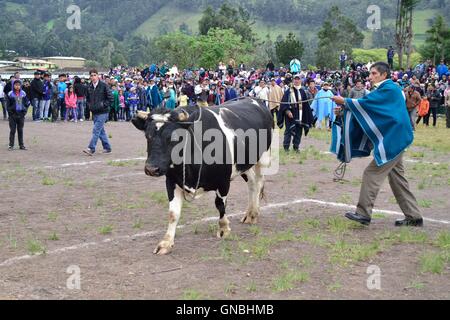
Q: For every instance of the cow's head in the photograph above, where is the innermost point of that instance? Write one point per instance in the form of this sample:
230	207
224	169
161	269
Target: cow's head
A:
159	126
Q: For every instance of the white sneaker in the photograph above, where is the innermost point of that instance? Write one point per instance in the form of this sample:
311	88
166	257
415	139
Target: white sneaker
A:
81	120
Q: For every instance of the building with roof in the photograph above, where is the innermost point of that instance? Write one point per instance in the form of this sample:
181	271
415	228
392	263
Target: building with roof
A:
67	62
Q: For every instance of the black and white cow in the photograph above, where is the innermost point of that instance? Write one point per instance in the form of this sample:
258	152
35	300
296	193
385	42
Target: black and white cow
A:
211	130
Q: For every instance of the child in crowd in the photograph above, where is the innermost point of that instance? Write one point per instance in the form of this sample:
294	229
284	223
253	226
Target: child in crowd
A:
70	99
18	104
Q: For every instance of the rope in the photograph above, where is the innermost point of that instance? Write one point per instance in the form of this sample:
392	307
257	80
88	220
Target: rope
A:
339	173
184	161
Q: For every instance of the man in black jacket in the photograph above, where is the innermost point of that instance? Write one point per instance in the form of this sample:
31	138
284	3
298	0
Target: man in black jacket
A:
295	112
37	89
99	100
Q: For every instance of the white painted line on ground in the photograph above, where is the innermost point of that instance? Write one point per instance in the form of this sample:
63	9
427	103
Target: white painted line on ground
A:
209	219
88	163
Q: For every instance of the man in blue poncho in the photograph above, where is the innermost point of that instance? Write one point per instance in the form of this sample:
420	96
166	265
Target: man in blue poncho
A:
380	123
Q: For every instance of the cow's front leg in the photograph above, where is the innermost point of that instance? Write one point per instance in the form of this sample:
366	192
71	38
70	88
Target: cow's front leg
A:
176	202
255	181
224	224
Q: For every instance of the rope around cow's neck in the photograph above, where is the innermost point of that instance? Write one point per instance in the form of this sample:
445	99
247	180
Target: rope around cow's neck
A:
184	162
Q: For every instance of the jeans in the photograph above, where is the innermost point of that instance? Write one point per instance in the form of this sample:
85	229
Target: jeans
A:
3	105
122	114
44	106
81	105
412	117
71	112
16	122
99	132
293	132
35	103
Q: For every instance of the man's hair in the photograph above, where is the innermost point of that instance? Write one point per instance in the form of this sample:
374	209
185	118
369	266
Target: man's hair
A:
358	80
93	71
382	67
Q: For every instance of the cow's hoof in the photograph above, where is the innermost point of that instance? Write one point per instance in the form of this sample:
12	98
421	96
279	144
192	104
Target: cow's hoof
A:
163	248
249	220
223	233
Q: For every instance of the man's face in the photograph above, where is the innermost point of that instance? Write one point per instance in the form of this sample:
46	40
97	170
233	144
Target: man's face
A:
37	76
312	85
297	82
17	87
17	75
359	85
376	77
94	77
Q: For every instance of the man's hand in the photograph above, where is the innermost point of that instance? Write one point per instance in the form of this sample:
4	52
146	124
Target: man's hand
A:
290	115
338	100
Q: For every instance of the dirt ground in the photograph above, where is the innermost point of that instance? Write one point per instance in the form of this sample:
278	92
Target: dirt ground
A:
60	208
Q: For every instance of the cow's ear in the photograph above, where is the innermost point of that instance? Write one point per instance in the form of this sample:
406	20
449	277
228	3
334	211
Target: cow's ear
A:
139	123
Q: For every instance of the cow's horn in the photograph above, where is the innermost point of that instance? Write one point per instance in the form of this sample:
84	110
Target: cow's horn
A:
183	116
143	115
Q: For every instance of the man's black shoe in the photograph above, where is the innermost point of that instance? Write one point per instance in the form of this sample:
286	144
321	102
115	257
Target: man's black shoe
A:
23	148
409	223
358	218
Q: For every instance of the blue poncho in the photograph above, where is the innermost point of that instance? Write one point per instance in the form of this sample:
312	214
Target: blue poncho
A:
378	122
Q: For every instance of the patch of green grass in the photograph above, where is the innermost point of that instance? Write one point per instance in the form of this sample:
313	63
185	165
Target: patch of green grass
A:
404	235
306	262
433	262
230	289
378	216
416	285
334	287
130	163
443	240
226	251
191	294
12	240
137	224
344	253
417	155
422	184
311	223
69	182
345	198
338	225
425	203
105	230
254	230
311	190
47	181
158	197
288	281
34	247
251	287
52	216
53	237
316	239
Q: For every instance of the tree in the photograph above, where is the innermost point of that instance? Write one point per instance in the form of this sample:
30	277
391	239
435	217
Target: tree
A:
227	17
403	29
222	45
437	44
288	49
337	33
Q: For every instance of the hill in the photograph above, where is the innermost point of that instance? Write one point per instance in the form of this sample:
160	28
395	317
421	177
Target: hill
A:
110	29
